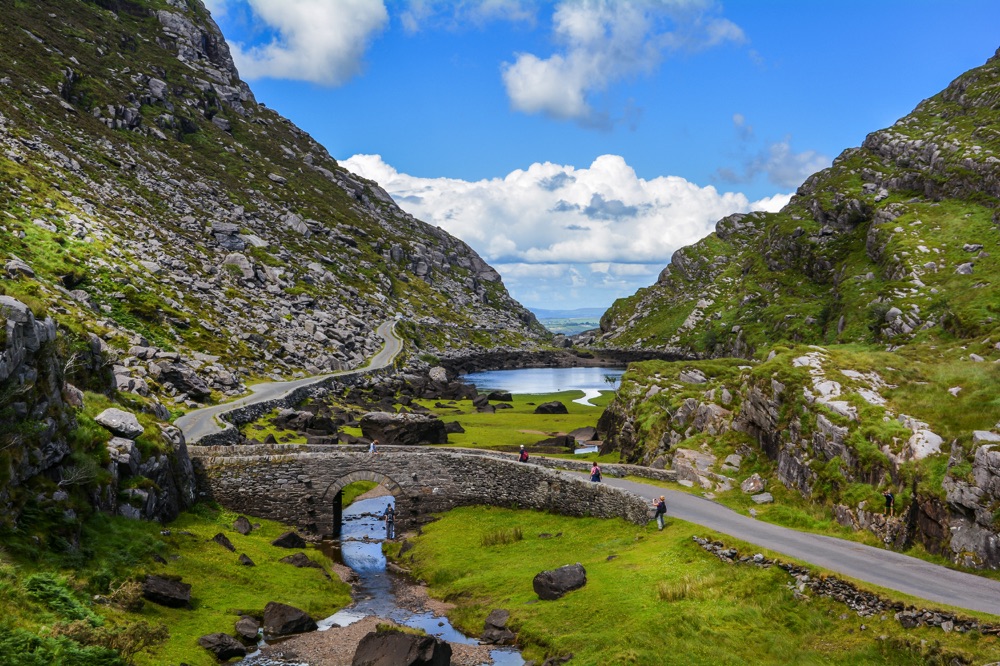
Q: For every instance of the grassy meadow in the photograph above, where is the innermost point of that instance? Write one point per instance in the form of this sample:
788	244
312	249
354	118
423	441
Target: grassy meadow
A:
652	598
507	429
46	596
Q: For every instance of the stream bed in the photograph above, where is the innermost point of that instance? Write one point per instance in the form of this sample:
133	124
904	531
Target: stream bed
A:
360	548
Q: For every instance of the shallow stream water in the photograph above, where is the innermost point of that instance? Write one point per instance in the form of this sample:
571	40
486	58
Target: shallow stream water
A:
360	548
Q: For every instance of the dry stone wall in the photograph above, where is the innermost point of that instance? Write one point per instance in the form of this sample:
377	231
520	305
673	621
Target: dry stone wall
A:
299	487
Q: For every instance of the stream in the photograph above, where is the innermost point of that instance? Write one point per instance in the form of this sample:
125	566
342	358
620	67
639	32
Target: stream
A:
360	548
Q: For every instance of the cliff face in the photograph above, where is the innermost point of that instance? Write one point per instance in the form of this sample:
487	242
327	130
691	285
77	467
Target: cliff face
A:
153	202
860	326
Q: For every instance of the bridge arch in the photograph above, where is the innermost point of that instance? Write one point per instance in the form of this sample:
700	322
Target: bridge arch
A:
335	492
298	486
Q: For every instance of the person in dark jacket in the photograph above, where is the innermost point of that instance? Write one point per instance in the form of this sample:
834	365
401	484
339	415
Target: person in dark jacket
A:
661	511
523	455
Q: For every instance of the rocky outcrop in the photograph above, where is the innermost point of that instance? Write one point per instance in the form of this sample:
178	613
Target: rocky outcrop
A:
403	429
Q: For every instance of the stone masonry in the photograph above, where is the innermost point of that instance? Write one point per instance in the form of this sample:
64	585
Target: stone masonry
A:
299	485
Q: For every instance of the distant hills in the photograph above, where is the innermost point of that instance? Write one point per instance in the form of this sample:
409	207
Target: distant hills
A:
569	322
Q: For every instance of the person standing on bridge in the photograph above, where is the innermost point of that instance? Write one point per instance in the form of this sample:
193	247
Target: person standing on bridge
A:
661	511
390	521
373	447
595	473
523	455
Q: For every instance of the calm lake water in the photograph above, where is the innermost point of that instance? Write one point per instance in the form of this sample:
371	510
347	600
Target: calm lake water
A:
545	380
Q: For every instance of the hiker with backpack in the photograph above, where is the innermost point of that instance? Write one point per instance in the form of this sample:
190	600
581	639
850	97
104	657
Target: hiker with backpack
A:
523	455
595	473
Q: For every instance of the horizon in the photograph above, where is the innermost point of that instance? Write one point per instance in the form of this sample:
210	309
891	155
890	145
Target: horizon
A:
576	145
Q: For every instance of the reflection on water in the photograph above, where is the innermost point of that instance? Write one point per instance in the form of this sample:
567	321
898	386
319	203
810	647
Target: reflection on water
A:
360	548
546	380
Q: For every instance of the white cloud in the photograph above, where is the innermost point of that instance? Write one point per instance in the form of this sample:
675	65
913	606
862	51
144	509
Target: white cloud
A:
321	41
789	169
600	228
605	41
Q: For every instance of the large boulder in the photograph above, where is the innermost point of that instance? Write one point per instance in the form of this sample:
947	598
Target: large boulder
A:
289	540
282	620
121	423
223	646
182	377
553	584
404	429
396	648
554	407
167	592
495	629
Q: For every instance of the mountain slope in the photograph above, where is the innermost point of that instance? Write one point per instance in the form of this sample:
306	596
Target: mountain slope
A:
862	320
896	242
151	201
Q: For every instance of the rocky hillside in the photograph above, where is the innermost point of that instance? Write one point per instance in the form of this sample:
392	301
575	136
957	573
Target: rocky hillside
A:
897	242
850	342
152	207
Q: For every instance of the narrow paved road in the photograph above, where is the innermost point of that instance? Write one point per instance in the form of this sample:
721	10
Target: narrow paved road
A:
201	422
884	568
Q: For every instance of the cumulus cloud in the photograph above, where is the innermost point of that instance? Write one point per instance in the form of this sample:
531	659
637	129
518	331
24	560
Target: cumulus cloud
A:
600	228
320	41
604	41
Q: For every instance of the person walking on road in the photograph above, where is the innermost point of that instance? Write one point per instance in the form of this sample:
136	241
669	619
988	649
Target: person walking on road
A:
661	511
595	473
523	455
373	447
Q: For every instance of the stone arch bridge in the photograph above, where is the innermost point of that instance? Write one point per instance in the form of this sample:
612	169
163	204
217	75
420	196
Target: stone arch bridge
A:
302	486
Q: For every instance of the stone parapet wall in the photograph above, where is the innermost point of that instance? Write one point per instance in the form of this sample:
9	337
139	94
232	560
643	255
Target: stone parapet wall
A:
298	485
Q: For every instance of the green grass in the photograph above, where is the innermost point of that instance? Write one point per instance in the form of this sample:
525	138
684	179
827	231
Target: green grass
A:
508	429
222	589
648	595
355	490
42	589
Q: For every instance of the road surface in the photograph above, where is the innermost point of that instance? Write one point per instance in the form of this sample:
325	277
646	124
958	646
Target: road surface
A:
204	421
878	566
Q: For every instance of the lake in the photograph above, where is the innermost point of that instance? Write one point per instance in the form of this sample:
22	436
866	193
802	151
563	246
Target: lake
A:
590	380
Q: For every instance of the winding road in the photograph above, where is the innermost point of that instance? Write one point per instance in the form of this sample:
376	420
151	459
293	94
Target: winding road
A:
884	568
877	566
204	421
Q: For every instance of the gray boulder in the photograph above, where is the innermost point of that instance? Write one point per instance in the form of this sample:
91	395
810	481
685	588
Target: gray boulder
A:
554	407
396	648
167	592
248	627
753	484
403	429
553	584
121	423
289	540
242	525
495	629
224	541
282	620
223	646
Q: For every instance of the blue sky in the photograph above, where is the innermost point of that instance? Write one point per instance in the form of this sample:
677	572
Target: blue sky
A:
576	144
